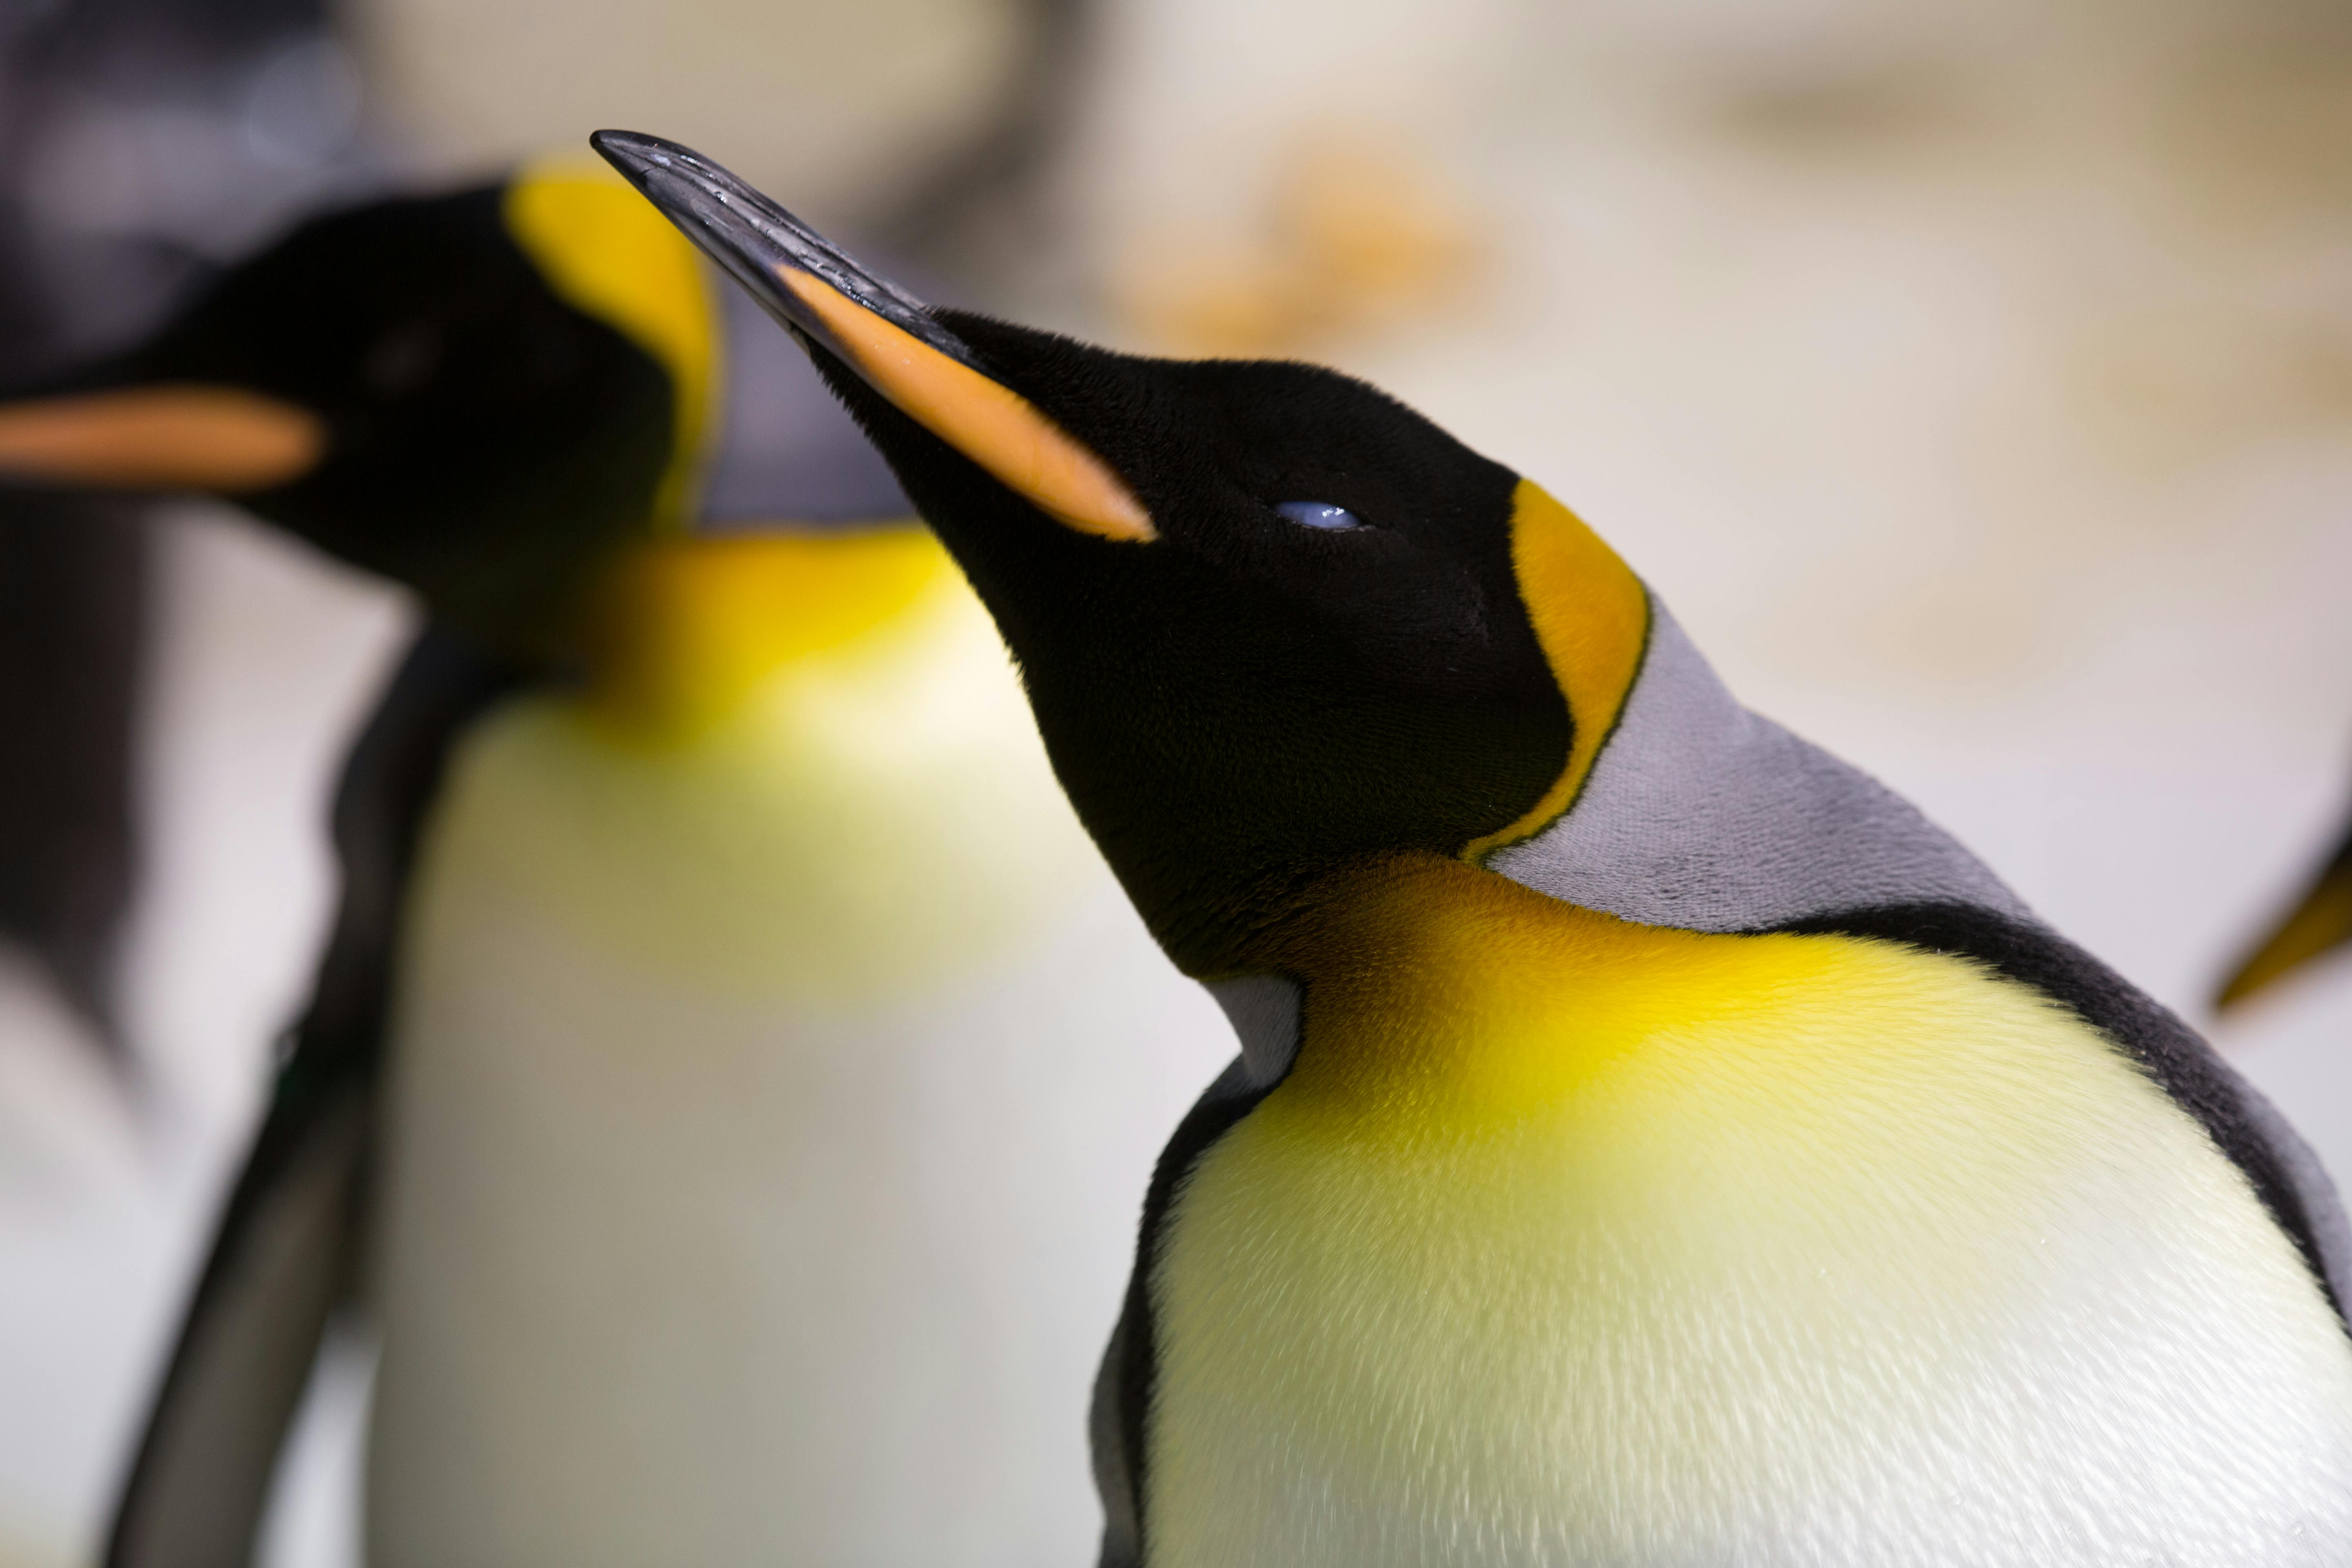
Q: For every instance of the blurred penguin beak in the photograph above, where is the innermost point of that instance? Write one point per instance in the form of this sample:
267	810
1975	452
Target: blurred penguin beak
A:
883	333
2318	925
217	439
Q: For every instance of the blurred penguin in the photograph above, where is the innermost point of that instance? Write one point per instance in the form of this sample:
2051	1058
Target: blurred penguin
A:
706	1073
146	142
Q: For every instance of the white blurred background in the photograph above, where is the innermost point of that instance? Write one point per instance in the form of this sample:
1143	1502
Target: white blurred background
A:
1975	381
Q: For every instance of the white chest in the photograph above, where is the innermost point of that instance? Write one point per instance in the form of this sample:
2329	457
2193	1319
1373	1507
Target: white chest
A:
1790	1291
764	1149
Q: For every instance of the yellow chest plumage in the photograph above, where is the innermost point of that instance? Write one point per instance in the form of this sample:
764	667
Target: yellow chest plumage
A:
800	767
1573	1241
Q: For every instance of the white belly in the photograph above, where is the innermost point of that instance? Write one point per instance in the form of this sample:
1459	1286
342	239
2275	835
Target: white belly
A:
763	1169
1883	1266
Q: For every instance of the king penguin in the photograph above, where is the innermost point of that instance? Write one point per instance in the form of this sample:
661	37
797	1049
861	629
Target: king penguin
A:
1654	1144
705	1080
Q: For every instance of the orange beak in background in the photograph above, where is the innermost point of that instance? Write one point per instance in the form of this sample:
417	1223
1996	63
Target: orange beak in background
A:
221	439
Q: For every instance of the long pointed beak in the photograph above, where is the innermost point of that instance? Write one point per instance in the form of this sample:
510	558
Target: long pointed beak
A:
763	247
218	438
880	331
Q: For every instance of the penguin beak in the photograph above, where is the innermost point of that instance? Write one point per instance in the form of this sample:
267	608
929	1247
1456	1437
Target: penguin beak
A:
172	437
2320	924
887	336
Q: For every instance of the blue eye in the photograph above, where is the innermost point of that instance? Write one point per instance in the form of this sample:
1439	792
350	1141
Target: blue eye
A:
1319	514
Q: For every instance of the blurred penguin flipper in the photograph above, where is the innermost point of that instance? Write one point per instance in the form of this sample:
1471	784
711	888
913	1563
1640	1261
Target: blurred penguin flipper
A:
285	1257
2319	923
199	1489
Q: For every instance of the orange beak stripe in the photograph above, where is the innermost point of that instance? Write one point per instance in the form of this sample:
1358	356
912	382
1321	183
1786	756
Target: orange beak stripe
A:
991	424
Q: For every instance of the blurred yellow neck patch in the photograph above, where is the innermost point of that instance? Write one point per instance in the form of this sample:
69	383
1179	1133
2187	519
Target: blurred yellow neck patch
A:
607	252
683	630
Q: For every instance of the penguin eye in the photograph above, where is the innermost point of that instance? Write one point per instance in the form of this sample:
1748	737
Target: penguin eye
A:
1319	514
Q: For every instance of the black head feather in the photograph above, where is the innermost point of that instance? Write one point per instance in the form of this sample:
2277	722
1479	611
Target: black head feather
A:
1245	705
488	442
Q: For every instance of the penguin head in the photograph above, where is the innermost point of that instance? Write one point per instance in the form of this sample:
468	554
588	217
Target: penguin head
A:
1273	622
403	386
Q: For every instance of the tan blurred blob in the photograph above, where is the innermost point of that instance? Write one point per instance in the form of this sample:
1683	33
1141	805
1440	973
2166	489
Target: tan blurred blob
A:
846	105
1356	235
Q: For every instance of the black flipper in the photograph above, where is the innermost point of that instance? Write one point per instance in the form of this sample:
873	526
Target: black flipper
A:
1123	1388
2284	1173
283	1256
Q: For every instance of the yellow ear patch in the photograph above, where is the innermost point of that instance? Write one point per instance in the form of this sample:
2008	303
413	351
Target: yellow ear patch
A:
1591	618
993	424
608	253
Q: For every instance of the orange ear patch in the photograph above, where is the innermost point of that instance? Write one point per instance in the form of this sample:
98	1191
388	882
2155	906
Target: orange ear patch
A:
1591	618
161	438
991	424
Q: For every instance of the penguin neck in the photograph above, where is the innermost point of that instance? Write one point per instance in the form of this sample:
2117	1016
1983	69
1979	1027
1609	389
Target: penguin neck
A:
1419	975
1697	816
679	632
1701	815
